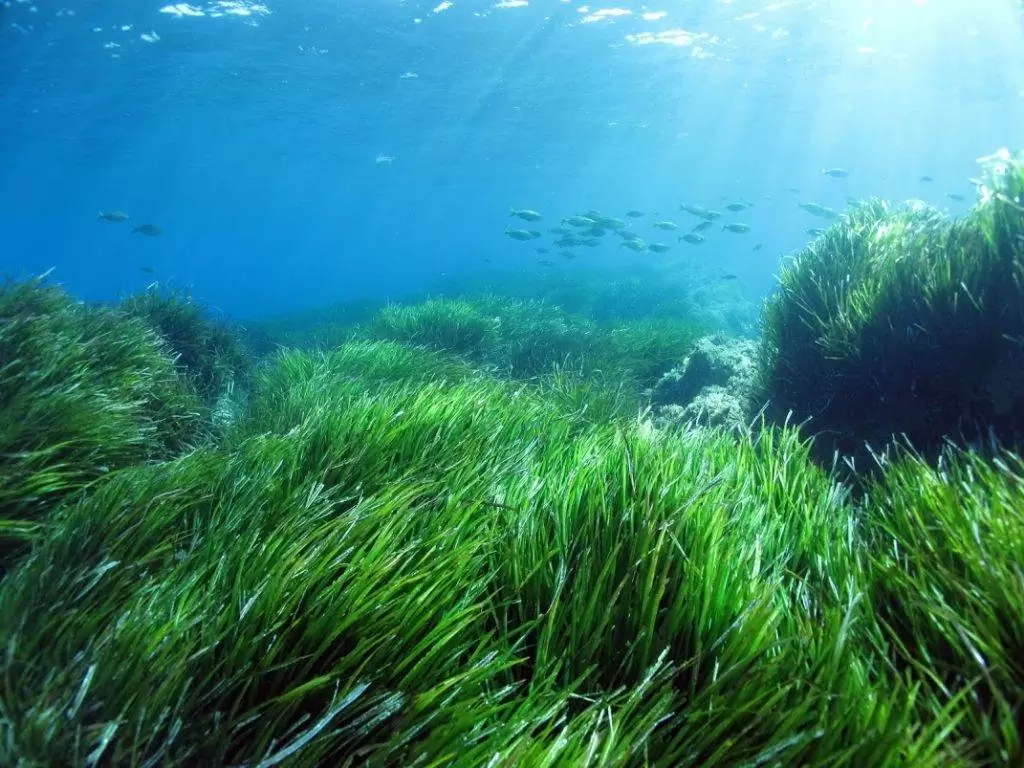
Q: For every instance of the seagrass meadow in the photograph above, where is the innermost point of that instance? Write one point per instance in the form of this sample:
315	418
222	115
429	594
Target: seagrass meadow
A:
447	533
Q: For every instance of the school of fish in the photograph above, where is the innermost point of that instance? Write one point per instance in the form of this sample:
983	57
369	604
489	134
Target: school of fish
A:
589	229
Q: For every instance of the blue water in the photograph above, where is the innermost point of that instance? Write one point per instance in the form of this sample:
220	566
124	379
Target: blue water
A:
301	153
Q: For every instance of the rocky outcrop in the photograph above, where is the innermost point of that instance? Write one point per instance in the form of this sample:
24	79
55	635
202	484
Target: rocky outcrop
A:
712	388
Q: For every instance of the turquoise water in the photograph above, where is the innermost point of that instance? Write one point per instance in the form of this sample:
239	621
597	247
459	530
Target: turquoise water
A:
303	153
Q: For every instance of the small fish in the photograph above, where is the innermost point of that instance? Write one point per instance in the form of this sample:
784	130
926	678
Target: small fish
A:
560	231
116	216
853	202
525	214
579	221
955	196
568	242
608	222
546	263
567	254
522	234
736	227
736	207
590	242
815	231
625	234
835	173
819	210
659	247
757	247
667	225
711	215
794	190
152	230
926	179
695	210
730	276
596	232
693	239
635	214
634	245
704	226
147	270
542	250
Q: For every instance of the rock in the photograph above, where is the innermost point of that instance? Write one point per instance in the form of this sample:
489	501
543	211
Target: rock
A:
712	388
715	361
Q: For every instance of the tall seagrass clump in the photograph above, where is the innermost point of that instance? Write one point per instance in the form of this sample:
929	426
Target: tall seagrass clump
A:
899	321
208	349
83	391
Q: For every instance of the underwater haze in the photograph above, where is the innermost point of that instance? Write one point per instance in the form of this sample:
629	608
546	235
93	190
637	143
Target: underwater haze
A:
296	154
517	384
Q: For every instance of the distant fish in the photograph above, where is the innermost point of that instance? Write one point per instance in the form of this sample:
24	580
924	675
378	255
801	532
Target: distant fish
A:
634	245
819	210
695	210
147	270
835	173
955	196
383	159
152	230
926	179
542	250
794	190
701	211
116	216
735	207
758	247
546	263
667	225
525	214
815	231
852	201
693	239
659	247
579	221
522	234
609	222
730	276
703	226
567	254
634	214
736	227
560	231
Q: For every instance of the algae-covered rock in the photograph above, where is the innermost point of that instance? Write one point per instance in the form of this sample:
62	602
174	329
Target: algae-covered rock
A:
713	386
